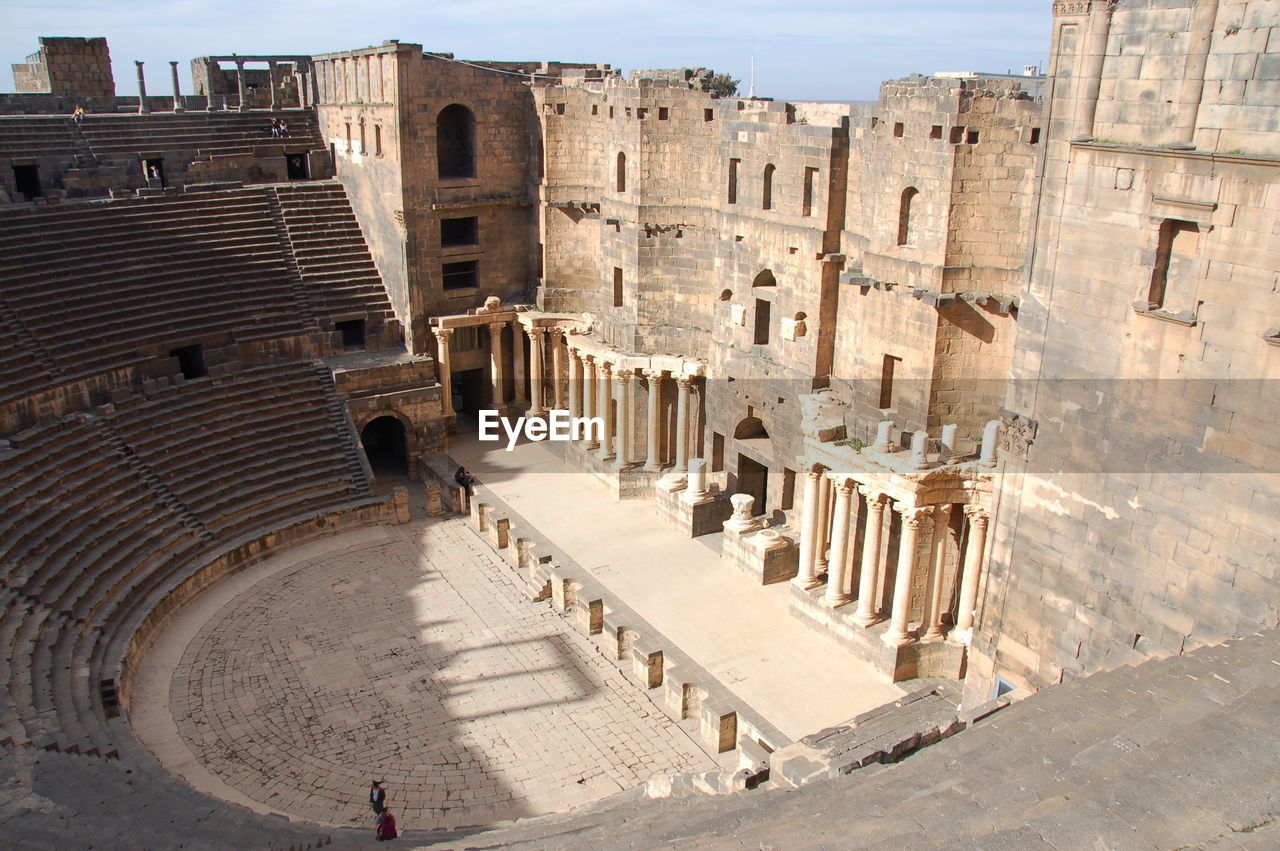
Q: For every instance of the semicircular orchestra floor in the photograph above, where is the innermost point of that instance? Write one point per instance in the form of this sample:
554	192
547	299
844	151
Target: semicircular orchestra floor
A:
409	655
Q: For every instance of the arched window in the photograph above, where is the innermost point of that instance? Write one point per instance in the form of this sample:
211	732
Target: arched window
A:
904	215
767	202
622	172
456	142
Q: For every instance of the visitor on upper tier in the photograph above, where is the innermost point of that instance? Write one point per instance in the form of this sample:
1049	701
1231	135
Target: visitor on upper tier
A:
377	797
77	114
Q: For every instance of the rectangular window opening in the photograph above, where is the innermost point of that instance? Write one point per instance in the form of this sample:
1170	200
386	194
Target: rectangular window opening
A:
935	132
810	175
559	109
1035	136
617	287
761	337
957	135
377	139
733	180
460	276
1173	278
595	109
664	113
708	115
971	137
898	130
887	370
463	231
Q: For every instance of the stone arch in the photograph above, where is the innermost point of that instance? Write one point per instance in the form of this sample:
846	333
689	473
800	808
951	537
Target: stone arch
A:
385	438
750	428
456	142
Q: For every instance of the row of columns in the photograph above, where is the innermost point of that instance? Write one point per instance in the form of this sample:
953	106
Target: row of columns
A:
144	109
827	516
586	387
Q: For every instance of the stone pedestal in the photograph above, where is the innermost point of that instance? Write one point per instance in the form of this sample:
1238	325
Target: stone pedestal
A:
764	554
692	515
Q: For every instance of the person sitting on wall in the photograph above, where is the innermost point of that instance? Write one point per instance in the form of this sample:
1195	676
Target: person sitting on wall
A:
77	114
284	129
464	478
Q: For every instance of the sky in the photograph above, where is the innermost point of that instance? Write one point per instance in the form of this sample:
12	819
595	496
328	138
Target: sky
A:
804	49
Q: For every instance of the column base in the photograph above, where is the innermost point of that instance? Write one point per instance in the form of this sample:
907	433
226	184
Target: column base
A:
961	636
837	601
867	620
898	639
933	635
807	583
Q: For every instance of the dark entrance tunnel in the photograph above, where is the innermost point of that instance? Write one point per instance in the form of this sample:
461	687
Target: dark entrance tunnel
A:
385	446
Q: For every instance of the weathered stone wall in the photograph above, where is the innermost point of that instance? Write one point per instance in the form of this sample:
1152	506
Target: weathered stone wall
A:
1140	516
73	67
400	196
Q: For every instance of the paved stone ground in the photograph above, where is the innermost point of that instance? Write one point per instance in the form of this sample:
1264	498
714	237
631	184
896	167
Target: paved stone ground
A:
418	661
1178	753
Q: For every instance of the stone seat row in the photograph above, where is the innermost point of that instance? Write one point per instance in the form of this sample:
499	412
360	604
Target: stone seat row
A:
88	590
98	233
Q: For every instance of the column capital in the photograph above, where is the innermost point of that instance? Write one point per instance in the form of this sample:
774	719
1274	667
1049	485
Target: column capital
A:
813	474
914	516
536	331
442	333
843	482
876	500
624	372
497	326
684	381
556	331
976	513
604	366
654	374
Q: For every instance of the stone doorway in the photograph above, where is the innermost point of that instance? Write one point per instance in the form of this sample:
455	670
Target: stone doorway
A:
296	167
384	444
470	390
26	181
753	478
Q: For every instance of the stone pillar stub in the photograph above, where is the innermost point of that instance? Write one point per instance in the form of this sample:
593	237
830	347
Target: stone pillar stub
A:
177	89
445	360
143	109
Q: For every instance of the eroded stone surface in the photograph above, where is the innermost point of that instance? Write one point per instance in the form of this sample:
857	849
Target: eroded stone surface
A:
416	661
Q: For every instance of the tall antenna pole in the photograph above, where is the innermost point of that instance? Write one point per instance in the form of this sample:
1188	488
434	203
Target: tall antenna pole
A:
751	93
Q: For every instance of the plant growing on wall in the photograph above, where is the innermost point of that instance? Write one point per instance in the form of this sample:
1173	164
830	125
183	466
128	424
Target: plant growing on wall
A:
720	85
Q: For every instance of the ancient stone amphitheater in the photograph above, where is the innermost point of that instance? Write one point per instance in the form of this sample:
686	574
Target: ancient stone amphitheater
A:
889	352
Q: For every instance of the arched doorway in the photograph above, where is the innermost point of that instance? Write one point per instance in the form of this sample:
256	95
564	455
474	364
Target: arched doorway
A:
384	443
456	142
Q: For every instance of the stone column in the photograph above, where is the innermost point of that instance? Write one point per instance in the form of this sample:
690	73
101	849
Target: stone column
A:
972	570
177	90
820	563
271	81
697	488
806	576
866	614
838	571
575	384
495	364
244	103
518	363
606	410
143	109
557	367
937	568
682	425
625	428
589	407
912	519
446	368
652	461
535	371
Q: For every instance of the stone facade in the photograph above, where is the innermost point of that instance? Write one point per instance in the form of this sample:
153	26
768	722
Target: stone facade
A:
1138	510
71	67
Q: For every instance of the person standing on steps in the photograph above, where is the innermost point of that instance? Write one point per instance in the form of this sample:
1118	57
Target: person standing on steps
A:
377	797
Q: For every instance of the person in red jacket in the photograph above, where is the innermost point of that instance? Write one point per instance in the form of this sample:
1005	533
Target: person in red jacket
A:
386	826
